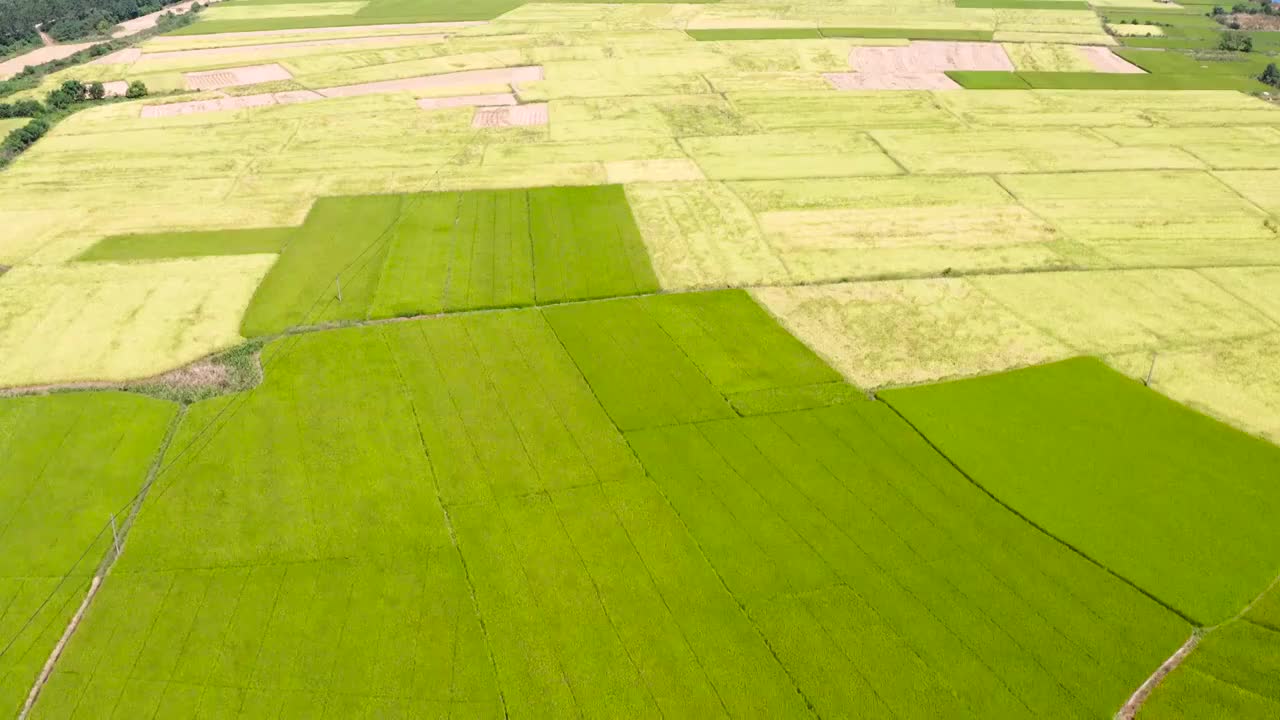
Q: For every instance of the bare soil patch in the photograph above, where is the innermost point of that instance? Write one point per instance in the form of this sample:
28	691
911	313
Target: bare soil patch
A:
929	57
905	81
232	77
1105	61
1256	22
511	116
39	56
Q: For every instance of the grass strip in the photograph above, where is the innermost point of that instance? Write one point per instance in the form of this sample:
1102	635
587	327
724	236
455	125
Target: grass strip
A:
189	244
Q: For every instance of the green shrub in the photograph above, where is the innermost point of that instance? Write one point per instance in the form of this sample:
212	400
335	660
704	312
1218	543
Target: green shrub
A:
1235	41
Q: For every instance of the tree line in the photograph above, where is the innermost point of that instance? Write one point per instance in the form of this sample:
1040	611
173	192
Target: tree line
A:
66	20
60	102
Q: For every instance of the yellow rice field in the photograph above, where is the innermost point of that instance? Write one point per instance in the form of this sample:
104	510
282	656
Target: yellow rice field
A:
743	165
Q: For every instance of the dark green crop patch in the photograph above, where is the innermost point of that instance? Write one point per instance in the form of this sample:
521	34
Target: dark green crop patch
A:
189	244
1175	502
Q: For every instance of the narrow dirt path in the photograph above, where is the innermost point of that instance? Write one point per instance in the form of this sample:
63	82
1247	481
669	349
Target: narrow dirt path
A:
44	38
1139	697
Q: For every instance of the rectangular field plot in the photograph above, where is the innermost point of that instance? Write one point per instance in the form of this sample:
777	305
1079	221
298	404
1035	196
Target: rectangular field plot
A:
887	584
1023	151
257	241
828	230
1136	482
1177	218
795	155
120	321
442	252
68	462
670	359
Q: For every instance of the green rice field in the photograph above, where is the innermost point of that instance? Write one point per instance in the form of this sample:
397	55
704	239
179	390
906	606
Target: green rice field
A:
700	563
726	359
1206	553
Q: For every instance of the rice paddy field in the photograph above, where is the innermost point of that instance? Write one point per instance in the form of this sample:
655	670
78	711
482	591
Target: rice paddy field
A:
498	359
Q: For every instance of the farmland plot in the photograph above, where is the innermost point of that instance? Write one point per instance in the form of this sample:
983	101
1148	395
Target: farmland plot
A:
844	512
1140	488
411	255
109	321
478	538
69	462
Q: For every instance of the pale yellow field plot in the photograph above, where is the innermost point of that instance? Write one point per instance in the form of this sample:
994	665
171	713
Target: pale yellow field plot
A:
1135	30
1069	108
1237	381
1023	151
1118	311
167	43
282	10
1234	156
647	171
558	16
1011	36
1243	134
1142	4
191	60
700	234
1047	57
901	81
607	119
560	89
1258	287
893	227
904	332
783	55
535	154
789	155
853	110
1151	218
117	322
8	125
783	82
1262	187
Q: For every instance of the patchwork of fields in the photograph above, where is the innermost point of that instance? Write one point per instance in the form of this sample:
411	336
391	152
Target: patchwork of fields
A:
617	360
478	489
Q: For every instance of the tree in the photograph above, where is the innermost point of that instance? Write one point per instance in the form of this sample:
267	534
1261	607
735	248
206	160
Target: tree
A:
75	89
1271	75
136	90
97	91
1236	42
59	99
